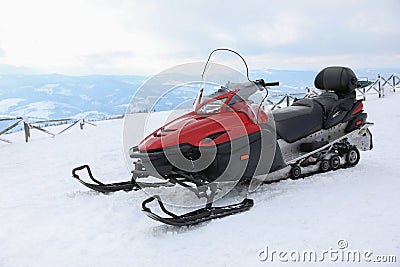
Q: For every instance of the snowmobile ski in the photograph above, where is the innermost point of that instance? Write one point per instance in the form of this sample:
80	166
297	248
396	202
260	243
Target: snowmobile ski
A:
113	187
194	217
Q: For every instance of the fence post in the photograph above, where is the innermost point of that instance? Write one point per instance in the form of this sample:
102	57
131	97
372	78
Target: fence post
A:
380	89
394	83
364	98
287	100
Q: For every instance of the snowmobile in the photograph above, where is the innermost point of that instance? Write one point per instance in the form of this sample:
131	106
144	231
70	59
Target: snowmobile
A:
314	134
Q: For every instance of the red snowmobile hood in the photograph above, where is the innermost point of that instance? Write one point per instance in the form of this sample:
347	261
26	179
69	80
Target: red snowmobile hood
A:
192	128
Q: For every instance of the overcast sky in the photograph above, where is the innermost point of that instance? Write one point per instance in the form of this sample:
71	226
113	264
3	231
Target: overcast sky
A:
147	36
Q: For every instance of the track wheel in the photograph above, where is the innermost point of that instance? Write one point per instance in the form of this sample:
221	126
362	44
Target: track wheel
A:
334	162
325	165
353	156
295	173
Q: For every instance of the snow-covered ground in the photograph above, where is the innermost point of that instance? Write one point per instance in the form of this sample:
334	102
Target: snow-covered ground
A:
48	219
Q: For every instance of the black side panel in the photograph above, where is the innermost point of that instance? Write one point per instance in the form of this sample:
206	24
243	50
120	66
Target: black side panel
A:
338	112
278	162
157	166
350	113
239	167
308	147
356	122
269	160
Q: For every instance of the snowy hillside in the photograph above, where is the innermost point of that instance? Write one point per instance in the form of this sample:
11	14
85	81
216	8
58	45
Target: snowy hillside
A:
57	96
49	219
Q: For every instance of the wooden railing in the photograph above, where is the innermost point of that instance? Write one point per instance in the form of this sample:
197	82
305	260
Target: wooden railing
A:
376	87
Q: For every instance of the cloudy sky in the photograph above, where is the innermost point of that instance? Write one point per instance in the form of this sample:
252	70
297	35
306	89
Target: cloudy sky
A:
147	36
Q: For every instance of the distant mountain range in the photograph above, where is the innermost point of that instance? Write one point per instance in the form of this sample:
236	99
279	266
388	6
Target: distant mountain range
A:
57	96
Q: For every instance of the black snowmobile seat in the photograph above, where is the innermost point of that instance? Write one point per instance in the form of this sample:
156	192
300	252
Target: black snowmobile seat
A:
334	108
298	121
327	100
308	115
339	81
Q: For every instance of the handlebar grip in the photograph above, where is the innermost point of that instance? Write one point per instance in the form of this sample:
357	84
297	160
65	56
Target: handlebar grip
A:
263	83
271	84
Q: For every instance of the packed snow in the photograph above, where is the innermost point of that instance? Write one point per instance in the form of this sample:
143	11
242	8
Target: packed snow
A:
49	219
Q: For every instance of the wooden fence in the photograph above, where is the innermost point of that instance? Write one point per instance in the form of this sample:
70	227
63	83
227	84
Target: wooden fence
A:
376	87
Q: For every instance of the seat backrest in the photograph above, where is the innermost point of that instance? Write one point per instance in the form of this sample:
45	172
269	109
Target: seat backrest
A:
341	80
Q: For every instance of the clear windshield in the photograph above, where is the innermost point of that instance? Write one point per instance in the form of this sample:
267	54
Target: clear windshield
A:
224	99
242	95
214	106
